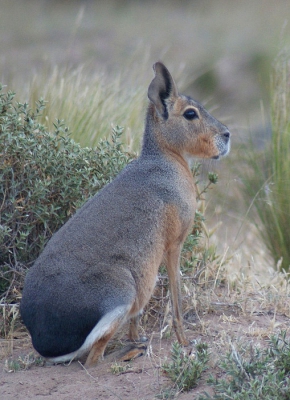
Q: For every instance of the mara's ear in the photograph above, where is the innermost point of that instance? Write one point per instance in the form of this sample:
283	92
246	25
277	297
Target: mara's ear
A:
161	88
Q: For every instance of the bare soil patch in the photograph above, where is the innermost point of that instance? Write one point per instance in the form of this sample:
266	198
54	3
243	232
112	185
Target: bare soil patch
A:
223	326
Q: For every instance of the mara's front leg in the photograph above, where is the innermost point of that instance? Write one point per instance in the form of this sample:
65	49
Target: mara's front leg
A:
173	270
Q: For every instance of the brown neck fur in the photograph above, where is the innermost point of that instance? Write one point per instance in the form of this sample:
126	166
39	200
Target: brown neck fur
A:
153	141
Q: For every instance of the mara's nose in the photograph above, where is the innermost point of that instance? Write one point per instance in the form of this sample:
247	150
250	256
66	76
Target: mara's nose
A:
227	135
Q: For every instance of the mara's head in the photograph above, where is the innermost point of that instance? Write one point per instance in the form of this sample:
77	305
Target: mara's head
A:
180	123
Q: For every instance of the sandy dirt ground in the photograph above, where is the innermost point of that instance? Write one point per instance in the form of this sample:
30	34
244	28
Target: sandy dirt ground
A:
142	378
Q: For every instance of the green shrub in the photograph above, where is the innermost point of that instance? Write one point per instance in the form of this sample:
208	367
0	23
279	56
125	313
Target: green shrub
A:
253	373
45	176
185	370
266	174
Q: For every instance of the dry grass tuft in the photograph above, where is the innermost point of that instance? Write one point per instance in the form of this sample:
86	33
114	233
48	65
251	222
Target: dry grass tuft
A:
89	102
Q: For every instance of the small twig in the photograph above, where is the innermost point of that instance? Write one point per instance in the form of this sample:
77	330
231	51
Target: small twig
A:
9	305
197	275
220	265
130	371
219	304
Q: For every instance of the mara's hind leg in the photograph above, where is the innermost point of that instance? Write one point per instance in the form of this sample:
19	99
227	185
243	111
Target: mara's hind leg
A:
127	353
133	330
102	333
132	351
135	349
98	349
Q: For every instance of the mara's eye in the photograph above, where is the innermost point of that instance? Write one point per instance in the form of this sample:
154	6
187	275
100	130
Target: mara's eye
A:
190	114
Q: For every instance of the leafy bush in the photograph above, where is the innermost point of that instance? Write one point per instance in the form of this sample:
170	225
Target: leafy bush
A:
45	176
254	373
183	369
266	175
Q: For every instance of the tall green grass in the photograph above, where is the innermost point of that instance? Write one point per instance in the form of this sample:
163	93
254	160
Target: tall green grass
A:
91	103
267	173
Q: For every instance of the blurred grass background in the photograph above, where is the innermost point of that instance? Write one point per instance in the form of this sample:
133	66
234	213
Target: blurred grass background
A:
91	60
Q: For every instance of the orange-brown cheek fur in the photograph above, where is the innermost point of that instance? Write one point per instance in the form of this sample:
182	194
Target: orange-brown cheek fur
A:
204	147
